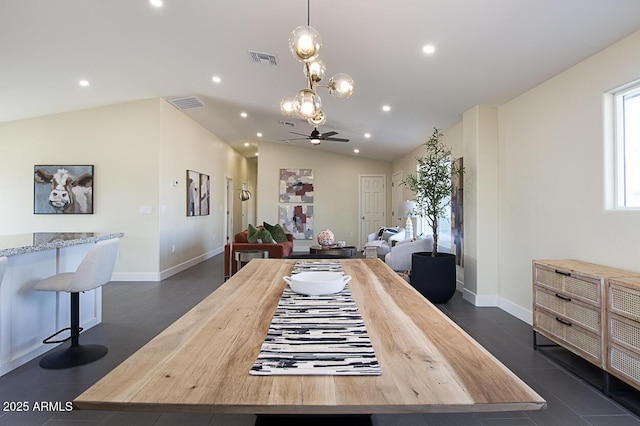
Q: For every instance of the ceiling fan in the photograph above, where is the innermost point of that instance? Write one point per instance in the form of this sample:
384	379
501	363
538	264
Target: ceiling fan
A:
316	137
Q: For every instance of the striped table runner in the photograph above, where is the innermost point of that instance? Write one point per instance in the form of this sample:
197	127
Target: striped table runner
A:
317	335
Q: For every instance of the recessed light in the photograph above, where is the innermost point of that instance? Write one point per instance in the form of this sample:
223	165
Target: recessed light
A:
356	151
259	134
84	83
243	114
156	3
216	79
246	144
256	154
367	135
428	49
386	108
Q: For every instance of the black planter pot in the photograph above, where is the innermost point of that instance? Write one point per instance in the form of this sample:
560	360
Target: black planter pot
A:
434	277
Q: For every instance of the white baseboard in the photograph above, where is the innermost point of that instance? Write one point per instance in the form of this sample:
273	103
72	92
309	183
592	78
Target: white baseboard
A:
159	276
479	300
516	310
499	302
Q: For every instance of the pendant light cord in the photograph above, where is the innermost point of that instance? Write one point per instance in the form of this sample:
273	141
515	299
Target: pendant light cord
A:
308	13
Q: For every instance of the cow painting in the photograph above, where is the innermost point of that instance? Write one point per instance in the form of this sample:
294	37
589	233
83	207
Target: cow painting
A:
63	189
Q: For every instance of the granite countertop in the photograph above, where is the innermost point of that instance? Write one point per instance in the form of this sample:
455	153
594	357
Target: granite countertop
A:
11	245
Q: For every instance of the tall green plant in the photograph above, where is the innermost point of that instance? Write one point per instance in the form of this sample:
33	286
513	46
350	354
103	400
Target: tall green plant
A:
431	184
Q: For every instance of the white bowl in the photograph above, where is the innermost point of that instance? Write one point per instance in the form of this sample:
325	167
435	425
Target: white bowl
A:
315	283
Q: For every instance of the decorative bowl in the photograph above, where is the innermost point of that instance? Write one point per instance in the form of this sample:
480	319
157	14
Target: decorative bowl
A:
316	283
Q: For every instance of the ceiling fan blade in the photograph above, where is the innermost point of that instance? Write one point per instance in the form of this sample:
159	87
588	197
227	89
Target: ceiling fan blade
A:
328	134
294	139
336	139
301	134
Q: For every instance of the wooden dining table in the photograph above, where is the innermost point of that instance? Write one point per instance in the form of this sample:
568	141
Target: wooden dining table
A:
201	362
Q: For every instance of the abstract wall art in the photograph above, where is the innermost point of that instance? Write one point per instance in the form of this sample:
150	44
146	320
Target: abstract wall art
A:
296	185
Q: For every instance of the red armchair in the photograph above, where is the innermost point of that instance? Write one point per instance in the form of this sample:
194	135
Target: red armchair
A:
240	243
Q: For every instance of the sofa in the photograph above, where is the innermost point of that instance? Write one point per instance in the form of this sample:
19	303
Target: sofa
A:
385	238
399	257
240	243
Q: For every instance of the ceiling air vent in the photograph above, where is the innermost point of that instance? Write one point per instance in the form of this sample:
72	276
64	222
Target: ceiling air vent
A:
187	102
287	123
263	58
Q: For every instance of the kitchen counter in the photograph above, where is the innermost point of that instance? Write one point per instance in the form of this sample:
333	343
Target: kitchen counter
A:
11	245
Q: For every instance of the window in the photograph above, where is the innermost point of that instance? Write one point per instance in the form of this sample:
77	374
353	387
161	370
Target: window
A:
627	140
444	228
444	225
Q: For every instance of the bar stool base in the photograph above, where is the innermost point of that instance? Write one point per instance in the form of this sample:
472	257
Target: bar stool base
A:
73	356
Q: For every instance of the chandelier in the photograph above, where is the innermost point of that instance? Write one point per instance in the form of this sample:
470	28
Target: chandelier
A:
304	45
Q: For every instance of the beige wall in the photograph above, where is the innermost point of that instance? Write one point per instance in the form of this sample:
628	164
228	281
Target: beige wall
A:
138	150
538	187
553	169
336	186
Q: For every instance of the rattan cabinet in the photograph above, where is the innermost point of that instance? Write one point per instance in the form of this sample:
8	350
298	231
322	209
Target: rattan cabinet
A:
591	310
567	307
623	346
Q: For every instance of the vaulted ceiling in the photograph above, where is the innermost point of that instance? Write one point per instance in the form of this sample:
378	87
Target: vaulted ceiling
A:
486	52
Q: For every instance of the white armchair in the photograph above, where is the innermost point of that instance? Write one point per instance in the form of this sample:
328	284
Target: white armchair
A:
399	257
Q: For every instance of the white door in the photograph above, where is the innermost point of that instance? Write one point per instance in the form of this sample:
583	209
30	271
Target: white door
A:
396	198
372	205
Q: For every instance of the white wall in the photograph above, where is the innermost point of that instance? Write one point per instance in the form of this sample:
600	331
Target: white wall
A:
553	148
121	142
138	149
184	145
336	186
552	143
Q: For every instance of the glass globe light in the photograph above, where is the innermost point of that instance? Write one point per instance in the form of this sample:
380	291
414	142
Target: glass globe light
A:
287	106
318	120
307	103
341	86
315	70
305	43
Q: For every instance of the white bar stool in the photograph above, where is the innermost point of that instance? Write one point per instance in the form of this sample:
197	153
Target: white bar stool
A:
94	271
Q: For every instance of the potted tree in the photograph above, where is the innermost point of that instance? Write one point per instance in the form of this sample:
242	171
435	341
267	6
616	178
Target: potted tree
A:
433	274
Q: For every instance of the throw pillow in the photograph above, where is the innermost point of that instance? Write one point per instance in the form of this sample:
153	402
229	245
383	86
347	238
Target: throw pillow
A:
260	236
276	232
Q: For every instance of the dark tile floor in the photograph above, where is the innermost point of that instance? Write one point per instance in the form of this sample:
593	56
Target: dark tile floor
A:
135	312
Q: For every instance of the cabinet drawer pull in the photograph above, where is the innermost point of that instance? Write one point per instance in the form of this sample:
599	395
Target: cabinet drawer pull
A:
565	298
566	274
560	320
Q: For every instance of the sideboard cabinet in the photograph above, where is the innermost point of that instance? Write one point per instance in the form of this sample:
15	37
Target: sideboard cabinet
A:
591	310
623	348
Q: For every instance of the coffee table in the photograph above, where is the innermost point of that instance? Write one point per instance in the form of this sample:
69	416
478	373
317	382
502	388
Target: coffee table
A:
348	251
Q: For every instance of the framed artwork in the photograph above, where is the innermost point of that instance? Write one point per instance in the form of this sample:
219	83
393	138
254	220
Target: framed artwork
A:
297	220
193	193
63	189
205	187
296	185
